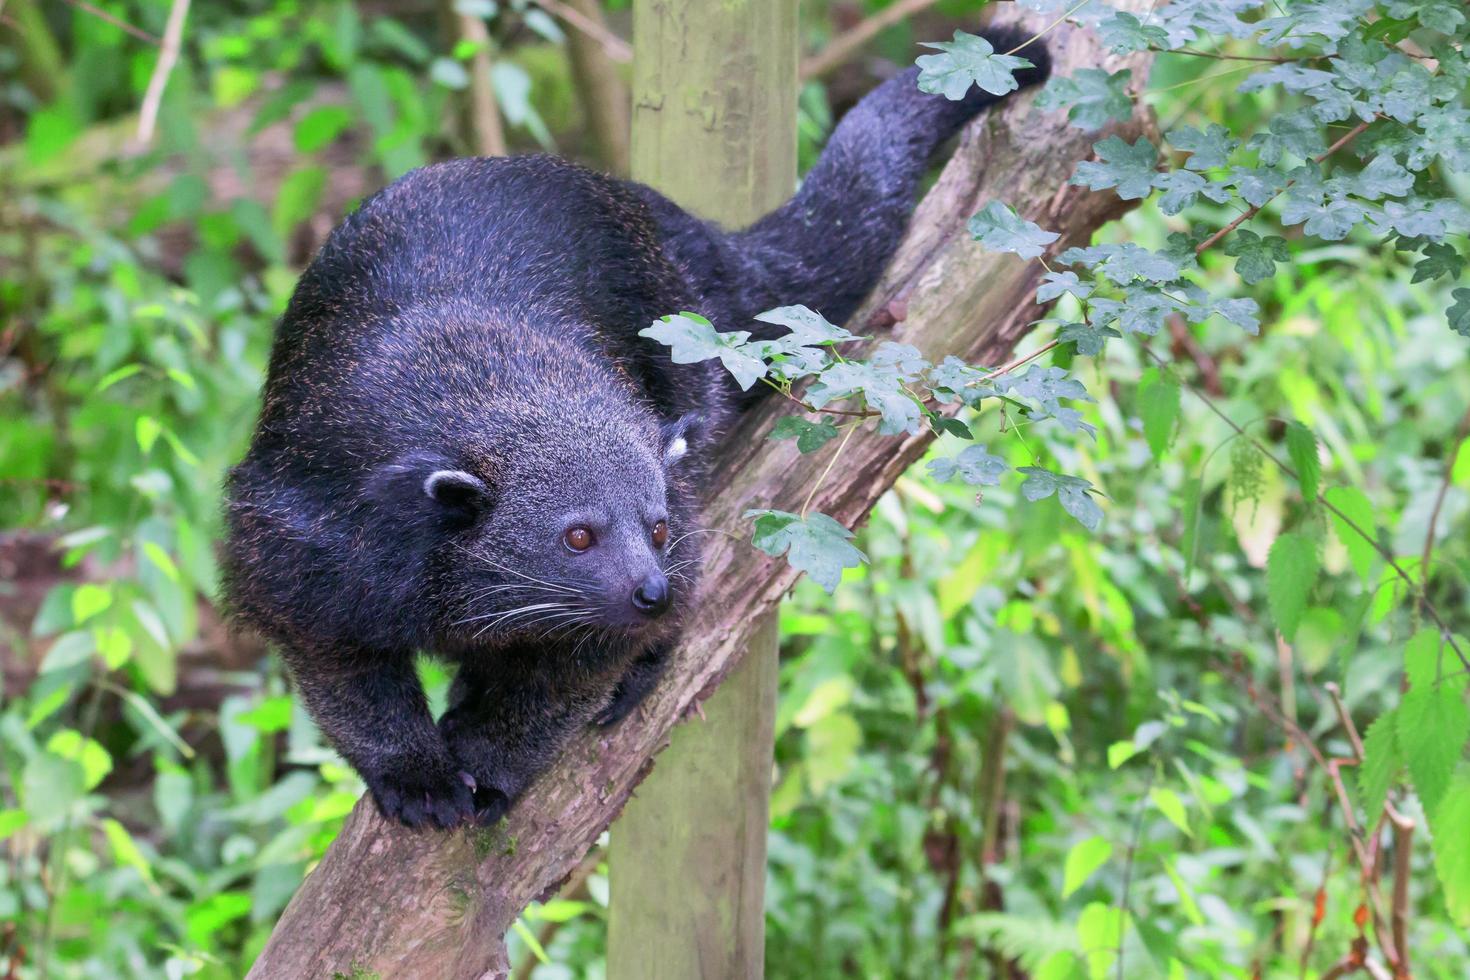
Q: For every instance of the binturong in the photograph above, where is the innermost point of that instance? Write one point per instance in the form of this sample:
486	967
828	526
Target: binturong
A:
465	448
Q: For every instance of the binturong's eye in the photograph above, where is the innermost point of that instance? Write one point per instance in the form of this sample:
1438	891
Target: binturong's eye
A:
661	534
578	538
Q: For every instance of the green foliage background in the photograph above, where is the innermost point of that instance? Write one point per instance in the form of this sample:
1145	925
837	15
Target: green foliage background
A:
997	735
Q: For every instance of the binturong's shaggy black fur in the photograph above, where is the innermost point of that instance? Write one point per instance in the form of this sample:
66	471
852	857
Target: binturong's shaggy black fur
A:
465	448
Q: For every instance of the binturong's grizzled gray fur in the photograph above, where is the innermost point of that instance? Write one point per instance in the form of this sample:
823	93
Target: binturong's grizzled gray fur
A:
465	448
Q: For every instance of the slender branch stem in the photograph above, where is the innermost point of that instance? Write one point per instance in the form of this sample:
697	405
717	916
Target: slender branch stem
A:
849	42
830	463
168	56
115	21
616	48
1214	239
1134	837
1049	27
1219	56
1444	487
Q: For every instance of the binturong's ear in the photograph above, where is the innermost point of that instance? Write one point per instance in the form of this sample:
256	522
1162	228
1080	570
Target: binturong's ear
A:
461	494
680	435
427	485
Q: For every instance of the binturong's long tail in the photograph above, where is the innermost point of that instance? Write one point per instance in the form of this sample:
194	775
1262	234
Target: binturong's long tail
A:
827	246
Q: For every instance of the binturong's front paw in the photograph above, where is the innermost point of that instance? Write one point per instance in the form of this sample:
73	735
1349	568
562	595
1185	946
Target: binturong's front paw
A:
493	787
418	795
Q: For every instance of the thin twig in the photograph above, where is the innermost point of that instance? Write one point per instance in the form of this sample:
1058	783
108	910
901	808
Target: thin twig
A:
1048	28
1254	210
850	41
168	56
1444	487
117	22
1133	840
1219	56
830	463
1403	840
617	49
485	126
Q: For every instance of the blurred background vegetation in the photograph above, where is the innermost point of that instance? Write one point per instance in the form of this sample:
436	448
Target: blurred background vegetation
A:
989	741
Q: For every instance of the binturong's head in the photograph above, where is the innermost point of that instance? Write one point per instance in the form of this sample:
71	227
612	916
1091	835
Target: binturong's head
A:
552	532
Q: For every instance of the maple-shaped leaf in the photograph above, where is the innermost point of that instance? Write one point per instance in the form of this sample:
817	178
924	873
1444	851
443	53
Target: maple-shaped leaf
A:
1071	491
1208	149
1000	228
815	544
1128	167
975	465
1092	97
965	61
692	338
1256	257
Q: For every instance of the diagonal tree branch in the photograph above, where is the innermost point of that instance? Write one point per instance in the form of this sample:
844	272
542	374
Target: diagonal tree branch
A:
405	905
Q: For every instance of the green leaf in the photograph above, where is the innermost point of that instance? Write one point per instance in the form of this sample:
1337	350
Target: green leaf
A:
1331	217
50	131
297	198
1382	762
69	650
1120	752
691	338
975	465
967	60
1291	571
125	851
1158	408
1256	256
450	74
49	786
1129	168
1054	284
1181	187
1123	32
1433	725
208	915
1095	97
1452	846
1301	446
12	820
1383	177
999	228
88	753
1439	259
1167	802
881	382
1353	503
1083	859
147	429
88	600
1071	491
808	327
1459	312
816	544
1424	658
809	436
1208	149
321	126
128	370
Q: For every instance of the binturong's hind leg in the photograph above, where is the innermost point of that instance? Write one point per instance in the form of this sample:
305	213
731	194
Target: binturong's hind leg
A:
635	685
505	725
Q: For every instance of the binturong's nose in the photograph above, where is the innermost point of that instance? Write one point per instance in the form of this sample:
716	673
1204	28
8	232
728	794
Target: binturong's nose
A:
651	597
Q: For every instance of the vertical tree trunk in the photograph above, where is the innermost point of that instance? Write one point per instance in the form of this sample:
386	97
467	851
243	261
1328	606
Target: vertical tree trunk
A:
714	128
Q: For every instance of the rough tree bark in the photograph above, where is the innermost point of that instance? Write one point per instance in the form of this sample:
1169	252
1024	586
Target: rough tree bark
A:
397	904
